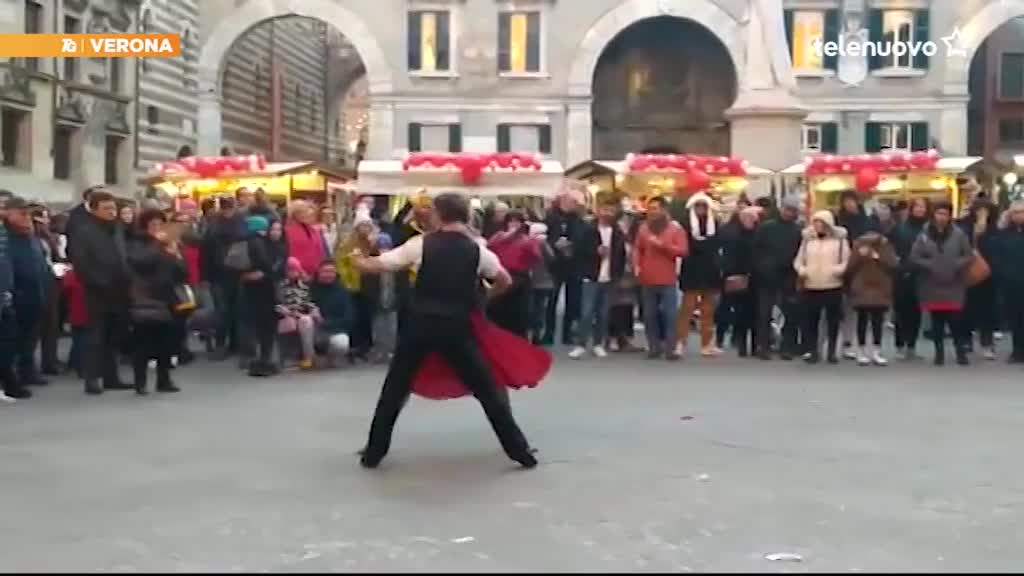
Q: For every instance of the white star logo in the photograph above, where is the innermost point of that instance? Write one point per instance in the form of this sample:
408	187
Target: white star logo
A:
955	44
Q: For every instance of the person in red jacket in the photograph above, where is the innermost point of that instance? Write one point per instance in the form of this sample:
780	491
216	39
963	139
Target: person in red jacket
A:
517	251
305	239
78	317
660	242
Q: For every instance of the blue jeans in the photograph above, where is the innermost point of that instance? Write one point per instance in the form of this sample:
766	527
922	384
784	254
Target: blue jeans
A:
594	313
661	304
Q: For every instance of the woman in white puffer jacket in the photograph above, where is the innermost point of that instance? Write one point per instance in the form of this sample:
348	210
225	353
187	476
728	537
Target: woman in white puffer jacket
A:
820	266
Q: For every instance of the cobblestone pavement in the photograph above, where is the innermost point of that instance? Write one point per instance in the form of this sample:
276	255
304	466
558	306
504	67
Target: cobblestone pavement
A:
703	465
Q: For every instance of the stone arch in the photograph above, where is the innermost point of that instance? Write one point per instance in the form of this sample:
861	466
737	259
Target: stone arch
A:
704	12
214	50
973	31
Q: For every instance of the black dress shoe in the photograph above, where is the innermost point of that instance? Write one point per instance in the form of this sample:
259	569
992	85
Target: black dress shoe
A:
34	380
527	460
370	461
51	370
93	388
19	392
118	385
167	388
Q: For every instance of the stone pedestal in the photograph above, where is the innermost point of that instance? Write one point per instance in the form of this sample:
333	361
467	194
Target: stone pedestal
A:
579	128
766	127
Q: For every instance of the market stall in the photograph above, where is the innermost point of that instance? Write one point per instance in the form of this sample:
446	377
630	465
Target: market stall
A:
508	176
641	176
204	177
886	177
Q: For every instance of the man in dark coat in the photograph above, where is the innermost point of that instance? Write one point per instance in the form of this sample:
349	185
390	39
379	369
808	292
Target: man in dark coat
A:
8	327
776	244
564	228
1009	274
222	231
99	261
601	251
32	283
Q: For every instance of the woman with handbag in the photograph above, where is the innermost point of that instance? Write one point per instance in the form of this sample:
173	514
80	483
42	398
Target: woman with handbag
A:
980	308
943	254
158	273
738	268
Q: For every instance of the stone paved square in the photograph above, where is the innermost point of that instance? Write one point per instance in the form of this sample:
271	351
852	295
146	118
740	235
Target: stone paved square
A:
702	465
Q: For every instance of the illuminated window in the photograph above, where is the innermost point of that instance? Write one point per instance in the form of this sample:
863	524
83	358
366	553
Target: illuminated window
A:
429	41
898	28
808	30
519	42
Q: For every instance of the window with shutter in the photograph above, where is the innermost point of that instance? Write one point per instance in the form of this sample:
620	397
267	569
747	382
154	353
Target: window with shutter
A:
872	137
414	144
429	41
504	142
455	137
829	138
831	34
921	35
519	42
875	25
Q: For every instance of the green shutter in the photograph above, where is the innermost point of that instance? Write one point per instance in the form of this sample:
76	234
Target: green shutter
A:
443	40
921	18
875	18
455	137
788	17
544	138
414	39
918	136
872	137
831	62
414	136
533	41
829	137
504	39
504	138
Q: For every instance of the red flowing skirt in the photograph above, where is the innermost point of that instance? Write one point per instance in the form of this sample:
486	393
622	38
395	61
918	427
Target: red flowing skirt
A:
514	362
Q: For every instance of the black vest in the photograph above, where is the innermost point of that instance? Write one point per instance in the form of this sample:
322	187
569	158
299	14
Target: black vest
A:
447	281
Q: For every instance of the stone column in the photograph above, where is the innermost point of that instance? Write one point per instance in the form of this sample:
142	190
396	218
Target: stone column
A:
381	145
579	128
209	118
952	129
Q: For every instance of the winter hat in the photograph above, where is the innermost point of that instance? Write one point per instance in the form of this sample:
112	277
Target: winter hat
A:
709	223
257	223
826	217
791	203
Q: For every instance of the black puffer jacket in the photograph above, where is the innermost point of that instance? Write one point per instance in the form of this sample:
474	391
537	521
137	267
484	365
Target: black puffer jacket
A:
99	256
155	274
776	244
702	267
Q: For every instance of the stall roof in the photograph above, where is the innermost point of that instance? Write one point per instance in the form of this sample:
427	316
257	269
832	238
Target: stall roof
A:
388	177
619	167
954	164
589	168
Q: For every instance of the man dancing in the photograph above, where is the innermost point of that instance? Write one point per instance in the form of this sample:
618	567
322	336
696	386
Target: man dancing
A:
449	263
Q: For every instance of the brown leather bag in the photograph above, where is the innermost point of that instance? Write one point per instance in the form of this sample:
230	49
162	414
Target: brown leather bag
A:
977	271
736	284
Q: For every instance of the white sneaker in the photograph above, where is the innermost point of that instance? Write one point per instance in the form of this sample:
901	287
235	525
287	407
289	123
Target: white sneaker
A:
577	352
862	357
5	399
850	353
600	352
613	345
997	336
990	354
680	349
711	351
878	359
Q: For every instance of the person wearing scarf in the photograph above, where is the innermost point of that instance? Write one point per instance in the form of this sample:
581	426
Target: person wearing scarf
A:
659	243
268	255
365	288
700	277
906	307
942	254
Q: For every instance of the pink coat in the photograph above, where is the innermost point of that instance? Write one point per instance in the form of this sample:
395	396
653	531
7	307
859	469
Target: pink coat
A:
306	244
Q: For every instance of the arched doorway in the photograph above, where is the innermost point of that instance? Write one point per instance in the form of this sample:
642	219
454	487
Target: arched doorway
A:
995	113
662	82
304	31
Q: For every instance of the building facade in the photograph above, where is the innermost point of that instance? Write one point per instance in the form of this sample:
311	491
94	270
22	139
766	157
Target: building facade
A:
578	80
167	103
67	123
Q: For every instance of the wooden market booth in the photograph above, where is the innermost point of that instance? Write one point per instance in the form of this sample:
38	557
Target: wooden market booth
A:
199	178
520	179
642	176
886	177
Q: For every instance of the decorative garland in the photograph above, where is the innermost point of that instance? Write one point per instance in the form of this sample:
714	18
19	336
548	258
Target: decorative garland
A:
211	166
472	166
867	168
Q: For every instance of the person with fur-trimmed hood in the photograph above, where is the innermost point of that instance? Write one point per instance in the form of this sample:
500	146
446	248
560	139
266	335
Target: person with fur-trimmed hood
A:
700	278
870	278
820	266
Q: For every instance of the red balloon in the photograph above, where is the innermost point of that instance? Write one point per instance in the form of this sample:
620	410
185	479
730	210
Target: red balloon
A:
416	160
640	164
697	180
504	160
866	180
471	173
